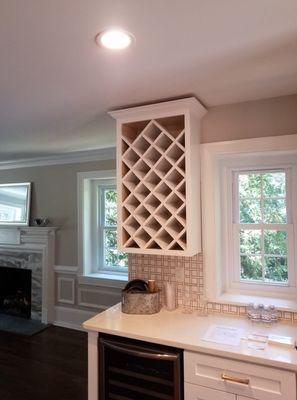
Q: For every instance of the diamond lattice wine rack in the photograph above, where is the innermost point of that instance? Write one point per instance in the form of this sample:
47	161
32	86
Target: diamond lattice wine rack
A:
158	167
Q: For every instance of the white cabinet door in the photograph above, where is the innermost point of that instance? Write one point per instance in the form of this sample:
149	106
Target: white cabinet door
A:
195	392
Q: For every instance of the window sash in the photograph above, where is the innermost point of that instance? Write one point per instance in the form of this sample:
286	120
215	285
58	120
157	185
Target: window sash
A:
236	198
236	276
234	246
101	228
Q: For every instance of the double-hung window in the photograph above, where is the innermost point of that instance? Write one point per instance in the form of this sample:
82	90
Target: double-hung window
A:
98	253
249	197
262	228
109	258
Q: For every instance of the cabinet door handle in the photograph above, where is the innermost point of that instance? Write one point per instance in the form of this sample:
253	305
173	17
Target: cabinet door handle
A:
243	381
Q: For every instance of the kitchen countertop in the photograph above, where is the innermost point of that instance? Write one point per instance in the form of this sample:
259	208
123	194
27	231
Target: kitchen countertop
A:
175	328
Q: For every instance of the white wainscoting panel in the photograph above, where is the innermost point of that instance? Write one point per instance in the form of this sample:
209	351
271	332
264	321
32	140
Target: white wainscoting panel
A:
72	318
100	297
66	290
77	301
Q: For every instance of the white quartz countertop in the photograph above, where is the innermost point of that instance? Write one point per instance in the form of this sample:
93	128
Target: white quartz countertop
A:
186	331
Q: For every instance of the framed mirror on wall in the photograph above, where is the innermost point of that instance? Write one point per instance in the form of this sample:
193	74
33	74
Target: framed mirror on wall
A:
15	203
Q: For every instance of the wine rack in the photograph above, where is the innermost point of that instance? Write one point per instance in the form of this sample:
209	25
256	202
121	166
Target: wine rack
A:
155	187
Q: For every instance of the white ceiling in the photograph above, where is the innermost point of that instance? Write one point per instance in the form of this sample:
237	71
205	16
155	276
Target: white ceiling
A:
56	84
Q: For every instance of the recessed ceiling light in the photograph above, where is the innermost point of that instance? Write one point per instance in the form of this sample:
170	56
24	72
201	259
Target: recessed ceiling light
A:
115	39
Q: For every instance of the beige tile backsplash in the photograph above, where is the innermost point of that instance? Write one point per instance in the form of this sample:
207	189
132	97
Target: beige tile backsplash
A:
187	273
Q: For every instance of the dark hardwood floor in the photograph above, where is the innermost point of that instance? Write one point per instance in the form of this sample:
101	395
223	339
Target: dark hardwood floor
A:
51	365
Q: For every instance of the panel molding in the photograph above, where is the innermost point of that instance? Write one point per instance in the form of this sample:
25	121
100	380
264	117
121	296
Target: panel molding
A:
111	297
104	292
60	298
65	269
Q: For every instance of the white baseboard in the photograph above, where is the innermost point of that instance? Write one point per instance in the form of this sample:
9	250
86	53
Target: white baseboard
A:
72	318
68	326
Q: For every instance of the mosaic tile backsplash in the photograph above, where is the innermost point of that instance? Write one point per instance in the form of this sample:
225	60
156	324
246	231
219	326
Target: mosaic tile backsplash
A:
187	274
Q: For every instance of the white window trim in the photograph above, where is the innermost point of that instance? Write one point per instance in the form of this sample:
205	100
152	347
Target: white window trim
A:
86	268
273	288
214	175
97	188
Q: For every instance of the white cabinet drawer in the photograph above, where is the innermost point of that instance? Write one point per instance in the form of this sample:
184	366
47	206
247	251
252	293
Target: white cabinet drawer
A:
261	383
195	392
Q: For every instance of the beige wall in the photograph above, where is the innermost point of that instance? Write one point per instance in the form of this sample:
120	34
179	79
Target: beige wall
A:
270	117
54	187
54	196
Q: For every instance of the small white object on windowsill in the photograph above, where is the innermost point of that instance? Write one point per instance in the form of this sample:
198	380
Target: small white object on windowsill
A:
262	313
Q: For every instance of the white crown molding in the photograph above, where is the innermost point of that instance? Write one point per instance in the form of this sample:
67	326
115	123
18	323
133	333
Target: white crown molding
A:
159	110
66	158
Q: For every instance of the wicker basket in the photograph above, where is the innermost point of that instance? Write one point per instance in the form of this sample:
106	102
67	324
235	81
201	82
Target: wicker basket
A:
141	302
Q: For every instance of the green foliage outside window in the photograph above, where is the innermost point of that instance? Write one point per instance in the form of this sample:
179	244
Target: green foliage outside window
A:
112	257
263	252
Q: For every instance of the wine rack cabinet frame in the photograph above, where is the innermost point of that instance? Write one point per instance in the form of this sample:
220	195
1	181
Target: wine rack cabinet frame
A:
158	178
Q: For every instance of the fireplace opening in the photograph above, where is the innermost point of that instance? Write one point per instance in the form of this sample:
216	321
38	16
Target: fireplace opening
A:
15	291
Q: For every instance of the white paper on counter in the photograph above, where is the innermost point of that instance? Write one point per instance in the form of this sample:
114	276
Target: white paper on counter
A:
223	335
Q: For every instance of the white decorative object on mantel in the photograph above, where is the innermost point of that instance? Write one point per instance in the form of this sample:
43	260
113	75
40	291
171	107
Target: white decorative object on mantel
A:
158	169
42	241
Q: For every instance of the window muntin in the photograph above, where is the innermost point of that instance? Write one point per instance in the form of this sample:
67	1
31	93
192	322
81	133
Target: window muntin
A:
261	229
220	164
262	197
110	259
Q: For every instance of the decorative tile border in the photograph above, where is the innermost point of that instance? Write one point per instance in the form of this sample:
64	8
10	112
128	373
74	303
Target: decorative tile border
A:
187	274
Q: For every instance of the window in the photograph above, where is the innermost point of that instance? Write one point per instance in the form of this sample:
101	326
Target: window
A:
110	259
261	226
99	257
249	197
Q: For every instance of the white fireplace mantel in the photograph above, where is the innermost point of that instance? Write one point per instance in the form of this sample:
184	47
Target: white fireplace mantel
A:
35	240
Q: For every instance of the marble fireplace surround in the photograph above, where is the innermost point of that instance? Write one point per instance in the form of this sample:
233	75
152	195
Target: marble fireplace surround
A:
32	248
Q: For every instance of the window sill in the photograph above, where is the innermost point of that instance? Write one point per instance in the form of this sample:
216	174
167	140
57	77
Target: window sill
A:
101	279
243	300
